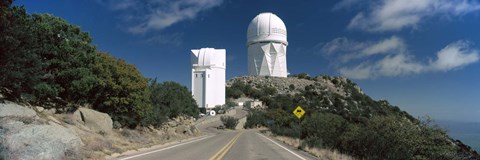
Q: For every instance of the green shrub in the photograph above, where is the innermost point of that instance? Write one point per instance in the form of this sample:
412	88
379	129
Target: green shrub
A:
323	127
229	104
293	129
229	122
291	87
269	91
255	117
173	99
394	137
234	93
301	76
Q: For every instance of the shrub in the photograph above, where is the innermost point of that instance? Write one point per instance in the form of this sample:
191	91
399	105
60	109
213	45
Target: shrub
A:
291	87
219	108
230	104
292	129
393	137
168	100
229	122
234	93
255	118
323	127
269	91
302	76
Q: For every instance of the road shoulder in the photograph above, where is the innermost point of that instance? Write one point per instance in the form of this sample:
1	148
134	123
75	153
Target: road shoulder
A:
132	153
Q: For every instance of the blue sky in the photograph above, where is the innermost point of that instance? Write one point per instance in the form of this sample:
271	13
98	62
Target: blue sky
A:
421	55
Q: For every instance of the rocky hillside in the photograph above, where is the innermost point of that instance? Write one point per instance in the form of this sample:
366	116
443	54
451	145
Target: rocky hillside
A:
32	132
334	94
339	116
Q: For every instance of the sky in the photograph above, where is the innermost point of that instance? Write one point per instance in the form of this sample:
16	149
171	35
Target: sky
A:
420	55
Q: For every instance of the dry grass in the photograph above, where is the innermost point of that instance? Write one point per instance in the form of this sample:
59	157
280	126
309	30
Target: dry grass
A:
98	145
327	154
317	152
295	142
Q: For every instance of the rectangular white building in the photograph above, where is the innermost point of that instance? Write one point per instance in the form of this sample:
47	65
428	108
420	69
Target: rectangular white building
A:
208	77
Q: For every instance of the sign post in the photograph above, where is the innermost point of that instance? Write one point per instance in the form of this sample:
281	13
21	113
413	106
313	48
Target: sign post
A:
298	112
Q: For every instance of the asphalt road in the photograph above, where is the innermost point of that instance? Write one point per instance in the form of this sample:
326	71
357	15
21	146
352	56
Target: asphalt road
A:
241	145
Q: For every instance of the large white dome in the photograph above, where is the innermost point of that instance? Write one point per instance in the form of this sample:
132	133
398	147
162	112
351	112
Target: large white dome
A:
267	27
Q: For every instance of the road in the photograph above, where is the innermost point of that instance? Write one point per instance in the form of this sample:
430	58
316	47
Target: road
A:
243	144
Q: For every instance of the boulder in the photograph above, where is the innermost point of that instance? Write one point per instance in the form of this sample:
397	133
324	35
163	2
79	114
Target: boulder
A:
172	123
194	130
171	133
20	141
51	111
189	121
40	109
183	129
94	120
10	109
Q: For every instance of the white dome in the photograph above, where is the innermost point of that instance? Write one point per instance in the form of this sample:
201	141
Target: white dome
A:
267	27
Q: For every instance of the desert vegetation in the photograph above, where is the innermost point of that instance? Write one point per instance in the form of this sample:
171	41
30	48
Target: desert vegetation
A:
229	122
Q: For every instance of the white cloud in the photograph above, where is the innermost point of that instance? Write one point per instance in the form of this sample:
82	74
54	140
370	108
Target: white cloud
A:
398	65
148	15
392	58
454	56
394	15
348	50
362	71
390	66
388	45
341	45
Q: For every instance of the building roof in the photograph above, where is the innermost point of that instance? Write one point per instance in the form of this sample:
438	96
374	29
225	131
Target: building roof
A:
266	27
207	57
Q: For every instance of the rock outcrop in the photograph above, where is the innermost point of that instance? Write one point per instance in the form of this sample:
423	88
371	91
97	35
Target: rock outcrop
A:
94	120
180	127
25	136
10	109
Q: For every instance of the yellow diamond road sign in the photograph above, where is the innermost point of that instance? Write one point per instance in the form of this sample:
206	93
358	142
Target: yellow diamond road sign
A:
298	112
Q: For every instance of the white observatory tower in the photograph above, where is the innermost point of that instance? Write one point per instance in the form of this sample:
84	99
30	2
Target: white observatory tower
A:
267	46
208	77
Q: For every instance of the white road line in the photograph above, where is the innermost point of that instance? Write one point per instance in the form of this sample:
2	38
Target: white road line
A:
181	144
283	147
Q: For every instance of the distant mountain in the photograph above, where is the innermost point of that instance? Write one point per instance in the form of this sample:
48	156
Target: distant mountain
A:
339	116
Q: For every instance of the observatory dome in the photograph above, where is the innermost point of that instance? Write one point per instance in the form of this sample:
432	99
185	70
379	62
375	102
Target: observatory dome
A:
267	27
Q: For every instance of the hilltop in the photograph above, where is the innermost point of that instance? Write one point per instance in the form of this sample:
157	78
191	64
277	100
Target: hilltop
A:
340	117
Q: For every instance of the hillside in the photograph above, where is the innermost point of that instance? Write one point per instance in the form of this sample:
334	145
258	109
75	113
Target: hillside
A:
339	116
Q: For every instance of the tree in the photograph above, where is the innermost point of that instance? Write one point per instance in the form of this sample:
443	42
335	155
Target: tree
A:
20	67
173	99
122	91
67	56
44	58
